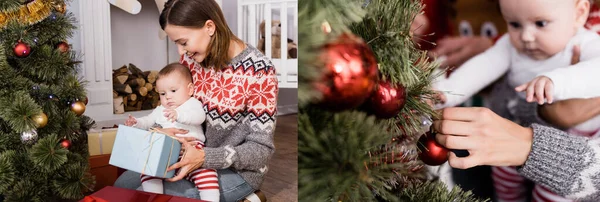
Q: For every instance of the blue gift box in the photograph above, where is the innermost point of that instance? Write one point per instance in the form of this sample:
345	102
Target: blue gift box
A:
143	151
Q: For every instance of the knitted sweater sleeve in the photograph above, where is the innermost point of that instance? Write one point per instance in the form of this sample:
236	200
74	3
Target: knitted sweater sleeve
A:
566	164
258	124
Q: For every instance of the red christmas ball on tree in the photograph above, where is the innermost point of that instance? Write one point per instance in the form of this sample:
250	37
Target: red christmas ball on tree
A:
63	47
65	143
431	152
387	100
22	49
350	75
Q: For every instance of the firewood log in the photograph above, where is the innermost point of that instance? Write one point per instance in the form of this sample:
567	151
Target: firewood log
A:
132	99
120	78
135	81
142	91
151	76
149	87
135	70
131	108
122	69
118	105
122	88
115	94
138	106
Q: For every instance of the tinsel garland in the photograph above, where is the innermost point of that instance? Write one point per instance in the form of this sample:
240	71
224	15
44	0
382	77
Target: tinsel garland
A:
30	13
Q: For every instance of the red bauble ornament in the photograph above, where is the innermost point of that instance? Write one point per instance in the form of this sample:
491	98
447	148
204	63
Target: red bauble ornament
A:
386	101
86	100
431	152
65	143
22	49
350	75
63	47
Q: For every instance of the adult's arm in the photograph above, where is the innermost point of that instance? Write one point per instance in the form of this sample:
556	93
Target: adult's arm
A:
566	164
578	110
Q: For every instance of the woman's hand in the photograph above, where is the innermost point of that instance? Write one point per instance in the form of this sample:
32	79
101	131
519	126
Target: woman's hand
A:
192	157
489	138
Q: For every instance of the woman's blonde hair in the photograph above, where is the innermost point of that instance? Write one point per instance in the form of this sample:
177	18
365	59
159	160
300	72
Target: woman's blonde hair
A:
194	14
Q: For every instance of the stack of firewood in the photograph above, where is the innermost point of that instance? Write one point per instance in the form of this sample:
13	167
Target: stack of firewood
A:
134	89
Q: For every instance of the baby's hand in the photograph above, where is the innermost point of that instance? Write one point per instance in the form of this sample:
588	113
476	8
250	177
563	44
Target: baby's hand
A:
539	88
437	98
171	115
130	121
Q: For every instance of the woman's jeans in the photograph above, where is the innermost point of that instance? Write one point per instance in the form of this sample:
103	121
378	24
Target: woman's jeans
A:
231	185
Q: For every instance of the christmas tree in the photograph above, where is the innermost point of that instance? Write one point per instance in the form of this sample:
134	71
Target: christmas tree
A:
363	87
43	141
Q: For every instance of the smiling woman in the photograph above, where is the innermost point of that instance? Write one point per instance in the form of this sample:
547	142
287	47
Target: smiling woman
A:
200	31
238	88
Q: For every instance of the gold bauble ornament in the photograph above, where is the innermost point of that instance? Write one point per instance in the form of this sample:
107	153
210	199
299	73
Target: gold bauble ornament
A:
40	120
78	108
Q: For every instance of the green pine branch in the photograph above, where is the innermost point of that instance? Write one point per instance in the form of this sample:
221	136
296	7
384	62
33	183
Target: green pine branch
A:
9	5
48	155
385	28
9	140
17	109
334	162
45	64
73	180
8	173
19	191
436	192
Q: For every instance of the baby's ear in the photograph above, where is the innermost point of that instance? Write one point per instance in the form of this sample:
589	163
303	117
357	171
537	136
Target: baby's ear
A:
190	89
582	10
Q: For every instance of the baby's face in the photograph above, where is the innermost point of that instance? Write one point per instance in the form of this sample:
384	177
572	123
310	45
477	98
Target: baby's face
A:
540	28
173	90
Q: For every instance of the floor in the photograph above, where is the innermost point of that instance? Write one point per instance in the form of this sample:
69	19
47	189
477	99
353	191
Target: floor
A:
281	182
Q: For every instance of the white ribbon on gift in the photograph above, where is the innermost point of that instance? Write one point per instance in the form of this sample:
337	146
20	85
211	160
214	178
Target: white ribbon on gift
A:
99	138
152	132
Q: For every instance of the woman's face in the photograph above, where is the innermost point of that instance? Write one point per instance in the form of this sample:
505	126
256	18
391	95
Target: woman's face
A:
192	41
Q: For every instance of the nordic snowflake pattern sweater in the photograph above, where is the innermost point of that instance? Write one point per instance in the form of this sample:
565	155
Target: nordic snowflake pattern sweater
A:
240	101
569	165
593	21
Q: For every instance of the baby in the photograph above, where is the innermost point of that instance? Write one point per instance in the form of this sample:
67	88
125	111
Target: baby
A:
178	109
540	40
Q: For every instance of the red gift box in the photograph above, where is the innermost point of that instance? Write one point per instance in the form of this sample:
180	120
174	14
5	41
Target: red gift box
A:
110	194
